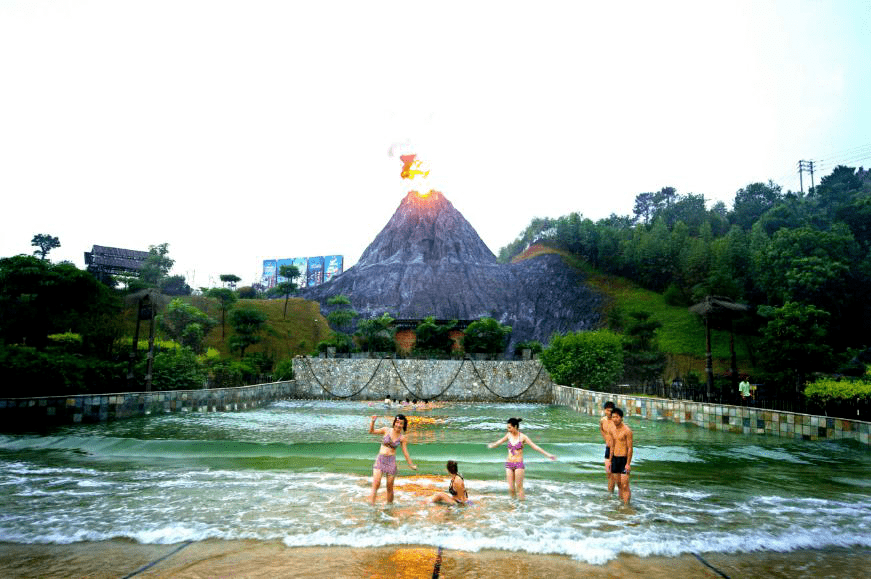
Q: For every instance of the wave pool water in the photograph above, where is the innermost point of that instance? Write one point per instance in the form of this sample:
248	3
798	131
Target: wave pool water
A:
299	472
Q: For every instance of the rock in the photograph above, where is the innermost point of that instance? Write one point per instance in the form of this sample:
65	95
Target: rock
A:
429	261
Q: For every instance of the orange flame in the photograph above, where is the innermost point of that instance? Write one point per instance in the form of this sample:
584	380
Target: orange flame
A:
409	161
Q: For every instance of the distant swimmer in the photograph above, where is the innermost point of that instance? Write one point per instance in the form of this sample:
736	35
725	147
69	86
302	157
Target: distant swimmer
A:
621	454
385	464
387	402
606	426
514	467
457	493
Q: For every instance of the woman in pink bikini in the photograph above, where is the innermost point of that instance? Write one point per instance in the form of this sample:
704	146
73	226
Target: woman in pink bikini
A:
385	464
514	467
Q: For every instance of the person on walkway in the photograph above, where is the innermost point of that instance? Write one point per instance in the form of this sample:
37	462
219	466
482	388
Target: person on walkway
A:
457	493
385	464
744	390
606	426
621	454
515	470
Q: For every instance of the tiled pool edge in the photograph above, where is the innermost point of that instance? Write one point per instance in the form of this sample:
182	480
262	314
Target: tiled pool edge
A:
735	419
102	407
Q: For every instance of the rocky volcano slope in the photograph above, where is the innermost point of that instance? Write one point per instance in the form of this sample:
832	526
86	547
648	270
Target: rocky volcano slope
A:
429	261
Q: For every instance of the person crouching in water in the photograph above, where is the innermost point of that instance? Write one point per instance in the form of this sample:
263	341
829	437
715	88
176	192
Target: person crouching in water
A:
457	493
385	464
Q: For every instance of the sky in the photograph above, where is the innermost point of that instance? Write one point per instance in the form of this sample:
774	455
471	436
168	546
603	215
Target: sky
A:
243	131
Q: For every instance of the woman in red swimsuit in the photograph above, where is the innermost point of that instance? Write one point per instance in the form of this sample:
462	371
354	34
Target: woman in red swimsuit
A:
385	464
514	467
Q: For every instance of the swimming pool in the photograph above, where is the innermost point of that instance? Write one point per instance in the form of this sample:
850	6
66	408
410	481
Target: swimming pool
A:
300	471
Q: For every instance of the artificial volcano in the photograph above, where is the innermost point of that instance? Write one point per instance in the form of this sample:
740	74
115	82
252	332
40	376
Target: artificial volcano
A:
429	261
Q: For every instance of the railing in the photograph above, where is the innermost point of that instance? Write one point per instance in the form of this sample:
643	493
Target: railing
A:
763	398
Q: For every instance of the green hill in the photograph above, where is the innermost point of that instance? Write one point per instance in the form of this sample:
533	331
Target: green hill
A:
298	333
682	335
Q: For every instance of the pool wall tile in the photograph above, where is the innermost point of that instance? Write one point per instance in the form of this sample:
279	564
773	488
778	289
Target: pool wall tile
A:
747	421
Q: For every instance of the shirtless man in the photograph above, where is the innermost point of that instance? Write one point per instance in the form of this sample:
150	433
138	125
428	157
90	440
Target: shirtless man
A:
605	428
621	454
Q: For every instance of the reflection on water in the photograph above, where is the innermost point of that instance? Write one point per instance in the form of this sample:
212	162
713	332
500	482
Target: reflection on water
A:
299	472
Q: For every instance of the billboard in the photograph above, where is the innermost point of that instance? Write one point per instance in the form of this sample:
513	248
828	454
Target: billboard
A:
300	263
332	266
270	269
315	273
312	270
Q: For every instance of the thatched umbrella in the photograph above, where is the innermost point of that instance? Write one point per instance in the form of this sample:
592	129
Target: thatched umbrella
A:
713	307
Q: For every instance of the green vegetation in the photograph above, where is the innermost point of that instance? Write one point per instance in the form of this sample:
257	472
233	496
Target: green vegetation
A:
486	336
826	390
585	359
778	253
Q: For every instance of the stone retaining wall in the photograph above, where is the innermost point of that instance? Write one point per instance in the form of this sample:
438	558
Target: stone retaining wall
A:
736	419
35	412
465	380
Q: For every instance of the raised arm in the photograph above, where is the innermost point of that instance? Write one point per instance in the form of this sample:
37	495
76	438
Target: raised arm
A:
541	450
405	452
498	442
372	429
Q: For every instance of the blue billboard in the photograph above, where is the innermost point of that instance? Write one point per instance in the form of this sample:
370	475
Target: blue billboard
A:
332	266
315	273
269	272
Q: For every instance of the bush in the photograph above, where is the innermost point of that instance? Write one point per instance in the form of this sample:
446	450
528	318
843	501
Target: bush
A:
585	359
486	336
26	372
284	370
533	345
177	369
230	373
827	390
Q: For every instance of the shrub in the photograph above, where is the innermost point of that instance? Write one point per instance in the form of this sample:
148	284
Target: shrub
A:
486	336
827	390
284	370
177	369
585	359
533	345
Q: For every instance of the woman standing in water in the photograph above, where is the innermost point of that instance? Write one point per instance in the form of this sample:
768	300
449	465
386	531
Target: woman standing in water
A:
385	464
457	493
514	467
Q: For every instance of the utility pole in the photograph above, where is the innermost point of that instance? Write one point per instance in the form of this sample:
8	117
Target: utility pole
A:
805	166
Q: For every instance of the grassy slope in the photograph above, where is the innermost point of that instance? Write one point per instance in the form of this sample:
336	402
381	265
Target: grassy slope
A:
299	333
682	335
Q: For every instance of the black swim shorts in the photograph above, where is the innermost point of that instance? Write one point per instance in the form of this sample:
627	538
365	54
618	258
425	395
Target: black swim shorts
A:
618	465
607	452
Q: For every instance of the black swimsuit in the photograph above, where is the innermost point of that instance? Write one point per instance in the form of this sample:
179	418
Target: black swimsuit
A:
454	493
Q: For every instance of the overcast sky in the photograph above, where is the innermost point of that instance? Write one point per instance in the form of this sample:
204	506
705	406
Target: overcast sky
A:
243	131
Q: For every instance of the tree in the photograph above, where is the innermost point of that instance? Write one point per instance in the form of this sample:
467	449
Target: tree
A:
486	336
186	324
752	201
794	341
45	243
434	338
287	287
226	298
156	267
246	292
38	299
377	334
644	208
584	359
642	360
247	324
231	279
343	317
175	285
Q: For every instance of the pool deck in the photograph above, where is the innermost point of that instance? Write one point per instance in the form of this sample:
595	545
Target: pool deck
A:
267	559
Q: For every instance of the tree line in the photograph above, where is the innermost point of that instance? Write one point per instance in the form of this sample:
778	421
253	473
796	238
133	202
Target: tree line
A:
801	261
